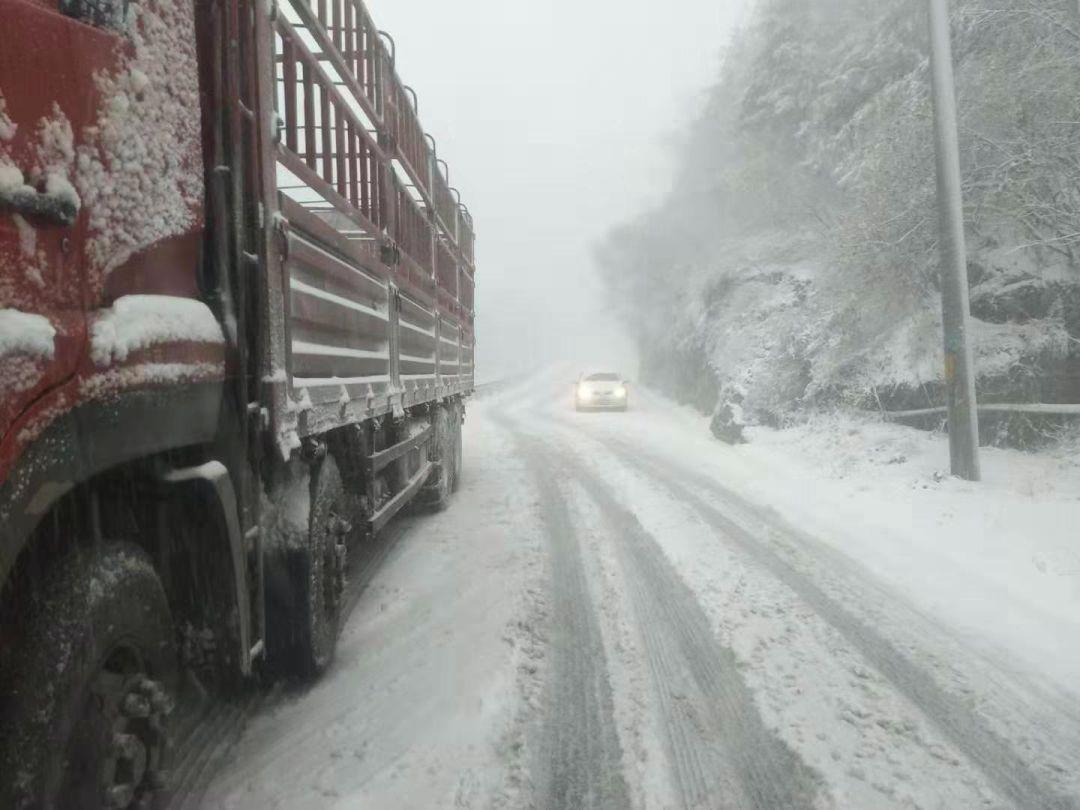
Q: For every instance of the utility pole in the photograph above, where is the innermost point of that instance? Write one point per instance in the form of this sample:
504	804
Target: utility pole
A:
959	368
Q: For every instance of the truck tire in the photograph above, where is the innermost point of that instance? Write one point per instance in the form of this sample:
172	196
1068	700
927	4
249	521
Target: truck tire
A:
85	717
457	415
435	494
305	610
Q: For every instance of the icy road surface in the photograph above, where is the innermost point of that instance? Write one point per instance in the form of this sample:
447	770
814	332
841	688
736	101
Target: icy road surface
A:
615	614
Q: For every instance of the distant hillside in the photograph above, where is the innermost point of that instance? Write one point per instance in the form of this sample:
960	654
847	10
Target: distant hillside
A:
794	263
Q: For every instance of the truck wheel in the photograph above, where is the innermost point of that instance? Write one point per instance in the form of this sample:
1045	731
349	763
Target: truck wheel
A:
458	458
443	486
435	494
318	573
85	722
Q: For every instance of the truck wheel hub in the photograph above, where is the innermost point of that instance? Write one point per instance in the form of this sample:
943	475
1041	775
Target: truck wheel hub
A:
121	736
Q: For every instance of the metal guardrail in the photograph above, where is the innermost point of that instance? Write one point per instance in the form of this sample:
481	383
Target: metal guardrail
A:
1034	408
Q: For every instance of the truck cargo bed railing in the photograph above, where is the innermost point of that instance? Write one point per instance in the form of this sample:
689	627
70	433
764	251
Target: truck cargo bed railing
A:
404	137
325	143
348	118
346	37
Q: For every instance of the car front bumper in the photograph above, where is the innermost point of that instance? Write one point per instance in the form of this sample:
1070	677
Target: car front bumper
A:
601	403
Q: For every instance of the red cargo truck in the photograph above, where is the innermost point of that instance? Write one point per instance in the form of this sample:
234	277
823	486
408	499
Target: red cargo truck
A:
236	334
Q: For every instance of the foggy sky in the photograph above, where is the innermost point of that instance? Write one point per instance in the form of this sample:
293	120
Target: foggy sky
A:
557	118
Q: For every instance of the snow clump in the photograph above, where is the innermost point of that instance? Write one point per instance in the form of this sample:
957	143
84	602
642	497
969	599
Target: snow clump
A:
26	347
11	178
137	322
26	333
7	126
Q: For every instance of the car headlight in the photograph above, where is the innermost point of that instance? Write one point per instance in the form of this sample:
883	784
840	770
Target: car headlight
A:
620	392
584	393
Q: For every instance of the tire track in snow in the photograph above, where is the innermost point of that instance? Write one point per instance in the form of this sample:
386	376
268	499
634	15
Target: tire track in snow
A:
721	752
990	753
580	759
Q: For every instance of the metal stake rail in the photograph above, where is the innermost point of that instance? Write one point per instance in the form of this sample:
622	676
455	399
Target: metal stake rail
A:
1031	409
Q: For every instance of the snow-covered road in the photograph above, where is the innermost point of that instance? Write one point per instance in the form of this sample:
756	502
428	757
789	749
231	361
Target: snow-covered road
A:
610	615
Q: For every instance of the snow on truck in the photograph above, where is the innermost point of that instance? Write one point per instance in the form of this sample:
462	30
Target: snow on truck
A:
236	336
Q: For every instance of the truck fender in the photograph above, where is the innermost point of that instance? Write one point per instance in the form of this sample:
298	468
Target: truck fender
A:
213	477
90	439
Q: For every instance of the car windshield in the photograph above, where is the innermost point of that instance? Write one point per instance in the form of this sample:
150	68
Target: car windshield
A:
605	377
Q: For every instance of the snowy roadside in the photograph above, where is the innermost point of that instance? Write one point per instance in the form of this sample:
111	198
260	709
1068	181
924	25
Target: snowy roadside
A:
997	561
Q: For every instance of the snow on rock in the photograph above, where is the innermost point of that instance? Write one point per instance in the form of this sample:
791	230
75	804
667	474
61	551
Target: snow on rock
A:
912	354
1001	347
139	169
26	347
136	322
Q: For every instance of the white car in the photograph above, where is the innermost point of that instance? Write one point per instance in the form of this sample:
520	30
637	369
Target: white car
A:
603	390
